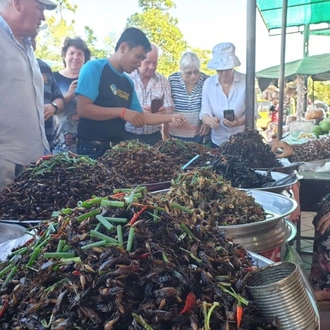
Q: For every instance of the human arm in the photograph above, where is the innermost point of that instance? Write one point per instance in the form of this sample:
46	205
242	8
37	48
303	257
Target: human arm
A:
50	109
206	114
56	98
87	109
306	152
323	223
70	94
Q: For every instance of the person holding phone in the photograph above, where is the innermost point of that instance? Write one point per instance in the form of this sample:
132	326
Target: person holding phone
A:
154	94
223	96
75	54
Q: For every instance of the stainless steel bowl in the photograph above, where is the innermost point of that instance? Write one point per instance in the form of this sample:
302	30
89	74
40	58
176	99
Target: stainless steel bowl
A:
10	231
277	176
261	238
275	205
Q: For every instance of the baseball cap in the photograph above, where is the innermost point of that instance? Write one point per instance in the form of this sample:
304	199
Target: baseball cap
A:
50	5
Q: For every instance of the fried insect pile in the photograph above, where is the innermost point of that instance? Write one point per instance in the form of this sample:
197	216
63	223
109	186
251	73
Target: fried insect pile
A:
54	183
249	146
140	163
127	262
212	200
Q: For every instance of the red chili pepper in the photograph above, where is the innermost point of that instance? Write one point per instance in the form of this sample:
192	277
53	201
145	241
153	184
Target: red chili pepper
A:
136	215
239	315
47	157
189	303
120	194
4	307
76	272
144	255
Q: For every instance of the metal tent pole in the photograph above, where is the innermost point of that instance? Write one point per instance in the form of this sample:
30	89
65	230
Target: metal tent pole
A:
250	64
282	69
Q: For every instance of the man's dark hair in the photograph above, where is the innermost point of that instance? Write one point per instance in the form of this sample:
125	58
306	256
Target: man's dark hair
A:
134	38
78	43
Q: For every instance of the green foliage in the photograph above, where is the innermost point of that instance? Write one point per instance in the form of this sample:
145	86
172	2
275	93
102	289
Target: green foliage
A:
321	91
162	29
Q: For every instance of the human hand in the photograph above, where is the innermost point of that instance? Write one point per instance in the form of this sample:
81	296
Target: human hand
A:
162	110
134	117
165	131
49	111
214	122
72	89
287	148
204	130
146	108
229	123
179	120
323	224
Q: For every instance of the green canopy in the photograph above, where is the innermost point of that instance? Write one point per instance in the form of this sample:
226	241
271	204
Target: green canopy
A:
317	67
300	12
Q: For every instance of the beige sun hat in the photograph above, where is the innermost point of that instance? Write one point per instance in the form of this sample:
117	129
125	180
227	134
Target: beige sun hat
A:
224	57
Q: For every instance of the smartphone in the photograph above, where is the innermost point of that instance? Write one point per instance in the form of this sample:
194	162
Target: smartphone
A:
156	104
229	115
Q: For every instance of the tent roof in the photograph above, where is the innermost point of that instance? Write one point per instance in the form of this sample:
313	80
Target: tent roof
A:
317	67
300	12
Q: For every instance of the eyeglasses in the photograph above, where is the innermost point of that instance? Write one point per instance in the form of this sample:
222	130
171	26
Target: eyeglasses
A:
190	73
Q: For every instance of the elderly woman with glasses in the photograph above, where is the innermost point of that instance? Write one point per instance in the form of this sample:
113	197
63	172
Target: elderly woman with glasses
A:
186	90
223	97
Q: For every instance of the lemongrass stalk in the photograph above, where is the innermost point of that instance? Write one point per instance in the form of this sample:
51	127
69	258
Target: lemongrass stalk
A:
9	276
60	245
120	235
116	220
182	208
100	218
59	255
35	254
102	237
130	239
6	269
88	215
95	244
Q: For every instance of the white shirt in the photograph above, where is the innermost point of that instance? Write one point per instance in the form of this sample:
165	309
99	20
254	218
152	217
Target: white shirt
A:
215	101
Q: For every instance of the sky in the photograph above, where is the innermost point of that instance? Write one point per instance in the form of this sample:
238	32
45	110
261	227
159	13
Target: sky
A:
203	23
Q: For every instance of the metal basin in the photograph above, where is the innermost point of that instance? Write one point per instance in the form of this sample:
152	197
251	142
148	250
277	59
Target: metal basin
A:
277	206
277	176
9	232
155	186
260	239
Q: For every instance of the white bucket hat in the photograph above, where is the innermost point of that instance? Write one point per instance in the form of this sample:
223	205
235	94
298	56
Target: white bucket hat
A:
224	57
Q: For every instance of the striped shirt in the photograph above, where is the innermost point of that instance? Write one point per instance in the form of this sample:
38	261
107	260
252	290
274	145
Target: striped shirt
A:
187	104
51	92
157	87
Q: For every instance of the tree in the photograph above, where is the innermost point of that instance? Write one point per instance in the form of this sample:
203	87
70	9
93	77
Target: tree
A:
50	43
321	91
161	29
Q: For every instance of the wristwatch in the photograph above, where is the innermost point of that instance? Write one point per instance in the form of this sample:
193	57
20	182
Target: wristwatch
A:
55	106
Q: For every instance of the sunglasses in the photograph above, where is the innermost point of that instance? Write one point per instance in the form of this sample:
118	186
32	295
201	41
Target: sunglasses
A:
190	73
